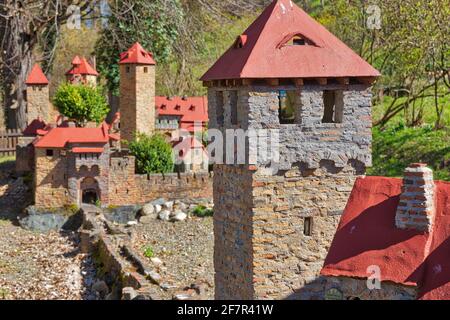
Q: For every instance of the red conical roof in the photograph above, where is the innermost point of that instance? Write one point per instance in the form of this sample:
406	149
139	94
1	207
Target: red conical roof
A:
265	50
82	66
37	76
137	55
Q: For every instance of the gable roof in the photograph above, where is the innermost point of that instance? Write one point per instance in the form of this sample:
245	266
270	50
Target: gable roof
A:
263	53
190	109
60	137
81	66
137	55
36	76
367	236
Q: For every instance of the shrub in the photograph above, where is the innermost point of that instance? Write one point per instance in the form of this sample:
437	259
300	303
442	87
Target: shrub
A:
153	154
202	211
81	103
148	252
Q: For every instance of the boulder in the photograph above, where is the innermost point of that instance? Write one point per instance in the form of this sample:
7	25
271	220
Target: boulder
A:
148	210
146	219
159	202
178	216
164	215
129	293
168	205
158	208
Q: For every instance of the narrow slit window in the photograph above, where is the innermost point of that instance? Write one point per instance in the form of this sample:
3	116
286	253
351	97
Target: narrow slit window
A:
49	152
287	105
333	106
219	110
145	69
234	106
307	229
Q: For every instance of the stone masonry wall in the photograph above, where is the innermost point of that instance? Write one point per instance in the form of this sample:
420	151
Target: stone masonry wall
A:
137	98
51	183
344	288
38	104
318	165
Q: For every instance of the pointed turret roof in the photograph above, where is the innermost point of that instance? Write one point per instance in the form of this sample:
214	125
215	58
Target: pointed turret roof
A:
82	66
137	55
266	50
36	76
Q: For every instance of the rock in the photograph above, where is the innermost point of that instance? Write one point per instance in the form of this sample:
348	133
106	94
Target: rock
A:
180	206
43	221
166	286
153	277
146	219
148	210
164	215
159	202
129	293
156	261
158	208
132	223
101	287
178	216
123	214
168	205
181	296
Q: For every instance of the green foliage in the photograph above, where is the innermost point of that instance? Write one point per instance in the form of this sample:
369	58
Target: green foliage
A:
98	203
72	209
152	23
398	146
153	154
148	252
81	103
202	211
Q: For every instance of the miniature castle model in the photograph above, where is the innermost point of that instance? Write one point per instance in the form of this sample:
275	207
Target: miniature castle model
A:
75	165
273	230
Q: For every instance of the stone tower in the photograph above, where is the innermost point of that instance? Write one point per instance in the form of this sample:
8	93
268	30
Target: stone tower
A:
38	104
82	72
137	92
274	218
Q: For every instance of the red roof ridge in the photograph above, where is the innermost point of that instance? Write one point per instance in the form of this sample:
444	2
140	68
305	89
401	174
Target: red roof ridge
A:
37	76
136	54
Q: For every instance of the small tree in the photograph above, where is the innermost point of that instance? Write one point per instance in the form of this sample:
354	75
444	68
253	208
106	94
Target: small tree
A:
81	103
153	154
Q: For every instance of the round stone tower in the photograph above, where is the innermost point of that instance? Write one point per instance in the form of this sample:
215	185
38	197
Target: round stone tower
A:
274	217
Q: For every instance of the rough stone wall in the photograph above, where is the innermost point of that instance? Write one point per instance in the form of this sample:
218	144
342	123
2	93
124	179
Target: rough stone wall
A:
318	165
344	288
233	232
51	180
286	258
137	98
38	104
122	182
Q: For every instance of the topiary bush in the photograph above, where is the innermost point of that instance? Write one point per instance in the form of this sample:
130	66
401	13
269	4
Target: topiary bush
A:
153	154
81	103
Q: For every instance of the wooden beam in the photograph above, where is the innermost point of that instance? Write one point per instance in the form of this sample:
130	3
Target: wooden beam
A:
207	84
247	82
344	81
273	82
298	82
322	81
367	80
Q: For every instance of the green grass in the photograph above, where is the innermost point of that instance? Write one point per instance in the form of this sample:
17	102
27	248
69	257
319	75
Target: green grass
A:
397	146
202	211
149	252
4	160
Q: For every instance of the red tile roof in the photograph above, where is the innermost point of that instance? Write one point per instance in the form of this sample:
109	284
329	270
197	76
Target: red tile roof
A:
367	236
87	150
81	66
60	137
262	51
137	55
36	76
190	110
33	128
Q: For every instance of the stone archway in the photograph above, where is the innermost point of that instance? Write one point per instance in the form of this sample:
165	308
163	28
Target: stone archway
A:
90	191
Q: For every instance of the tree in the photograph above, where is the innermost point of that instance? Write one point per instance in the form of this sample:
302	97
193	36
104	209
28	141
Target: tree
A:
152	23
153	154
81	103
24	26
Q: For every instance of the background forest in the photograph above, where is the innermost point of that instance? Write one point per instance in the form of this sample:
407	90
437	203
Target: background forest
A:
408	41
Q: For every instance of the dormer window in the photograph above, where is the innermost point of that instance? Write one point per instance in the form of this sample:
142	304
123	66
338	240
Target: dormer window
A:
163	107
297	41
240	41
192	108
178	107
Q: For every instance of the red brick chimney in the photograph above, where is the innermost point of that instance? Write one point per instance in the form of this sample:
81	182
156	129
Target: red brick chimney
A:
416	209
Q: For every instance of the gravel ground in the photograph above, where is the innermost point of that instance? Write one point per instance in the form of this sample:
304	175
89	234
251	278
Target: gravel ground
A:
37	266
185	248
